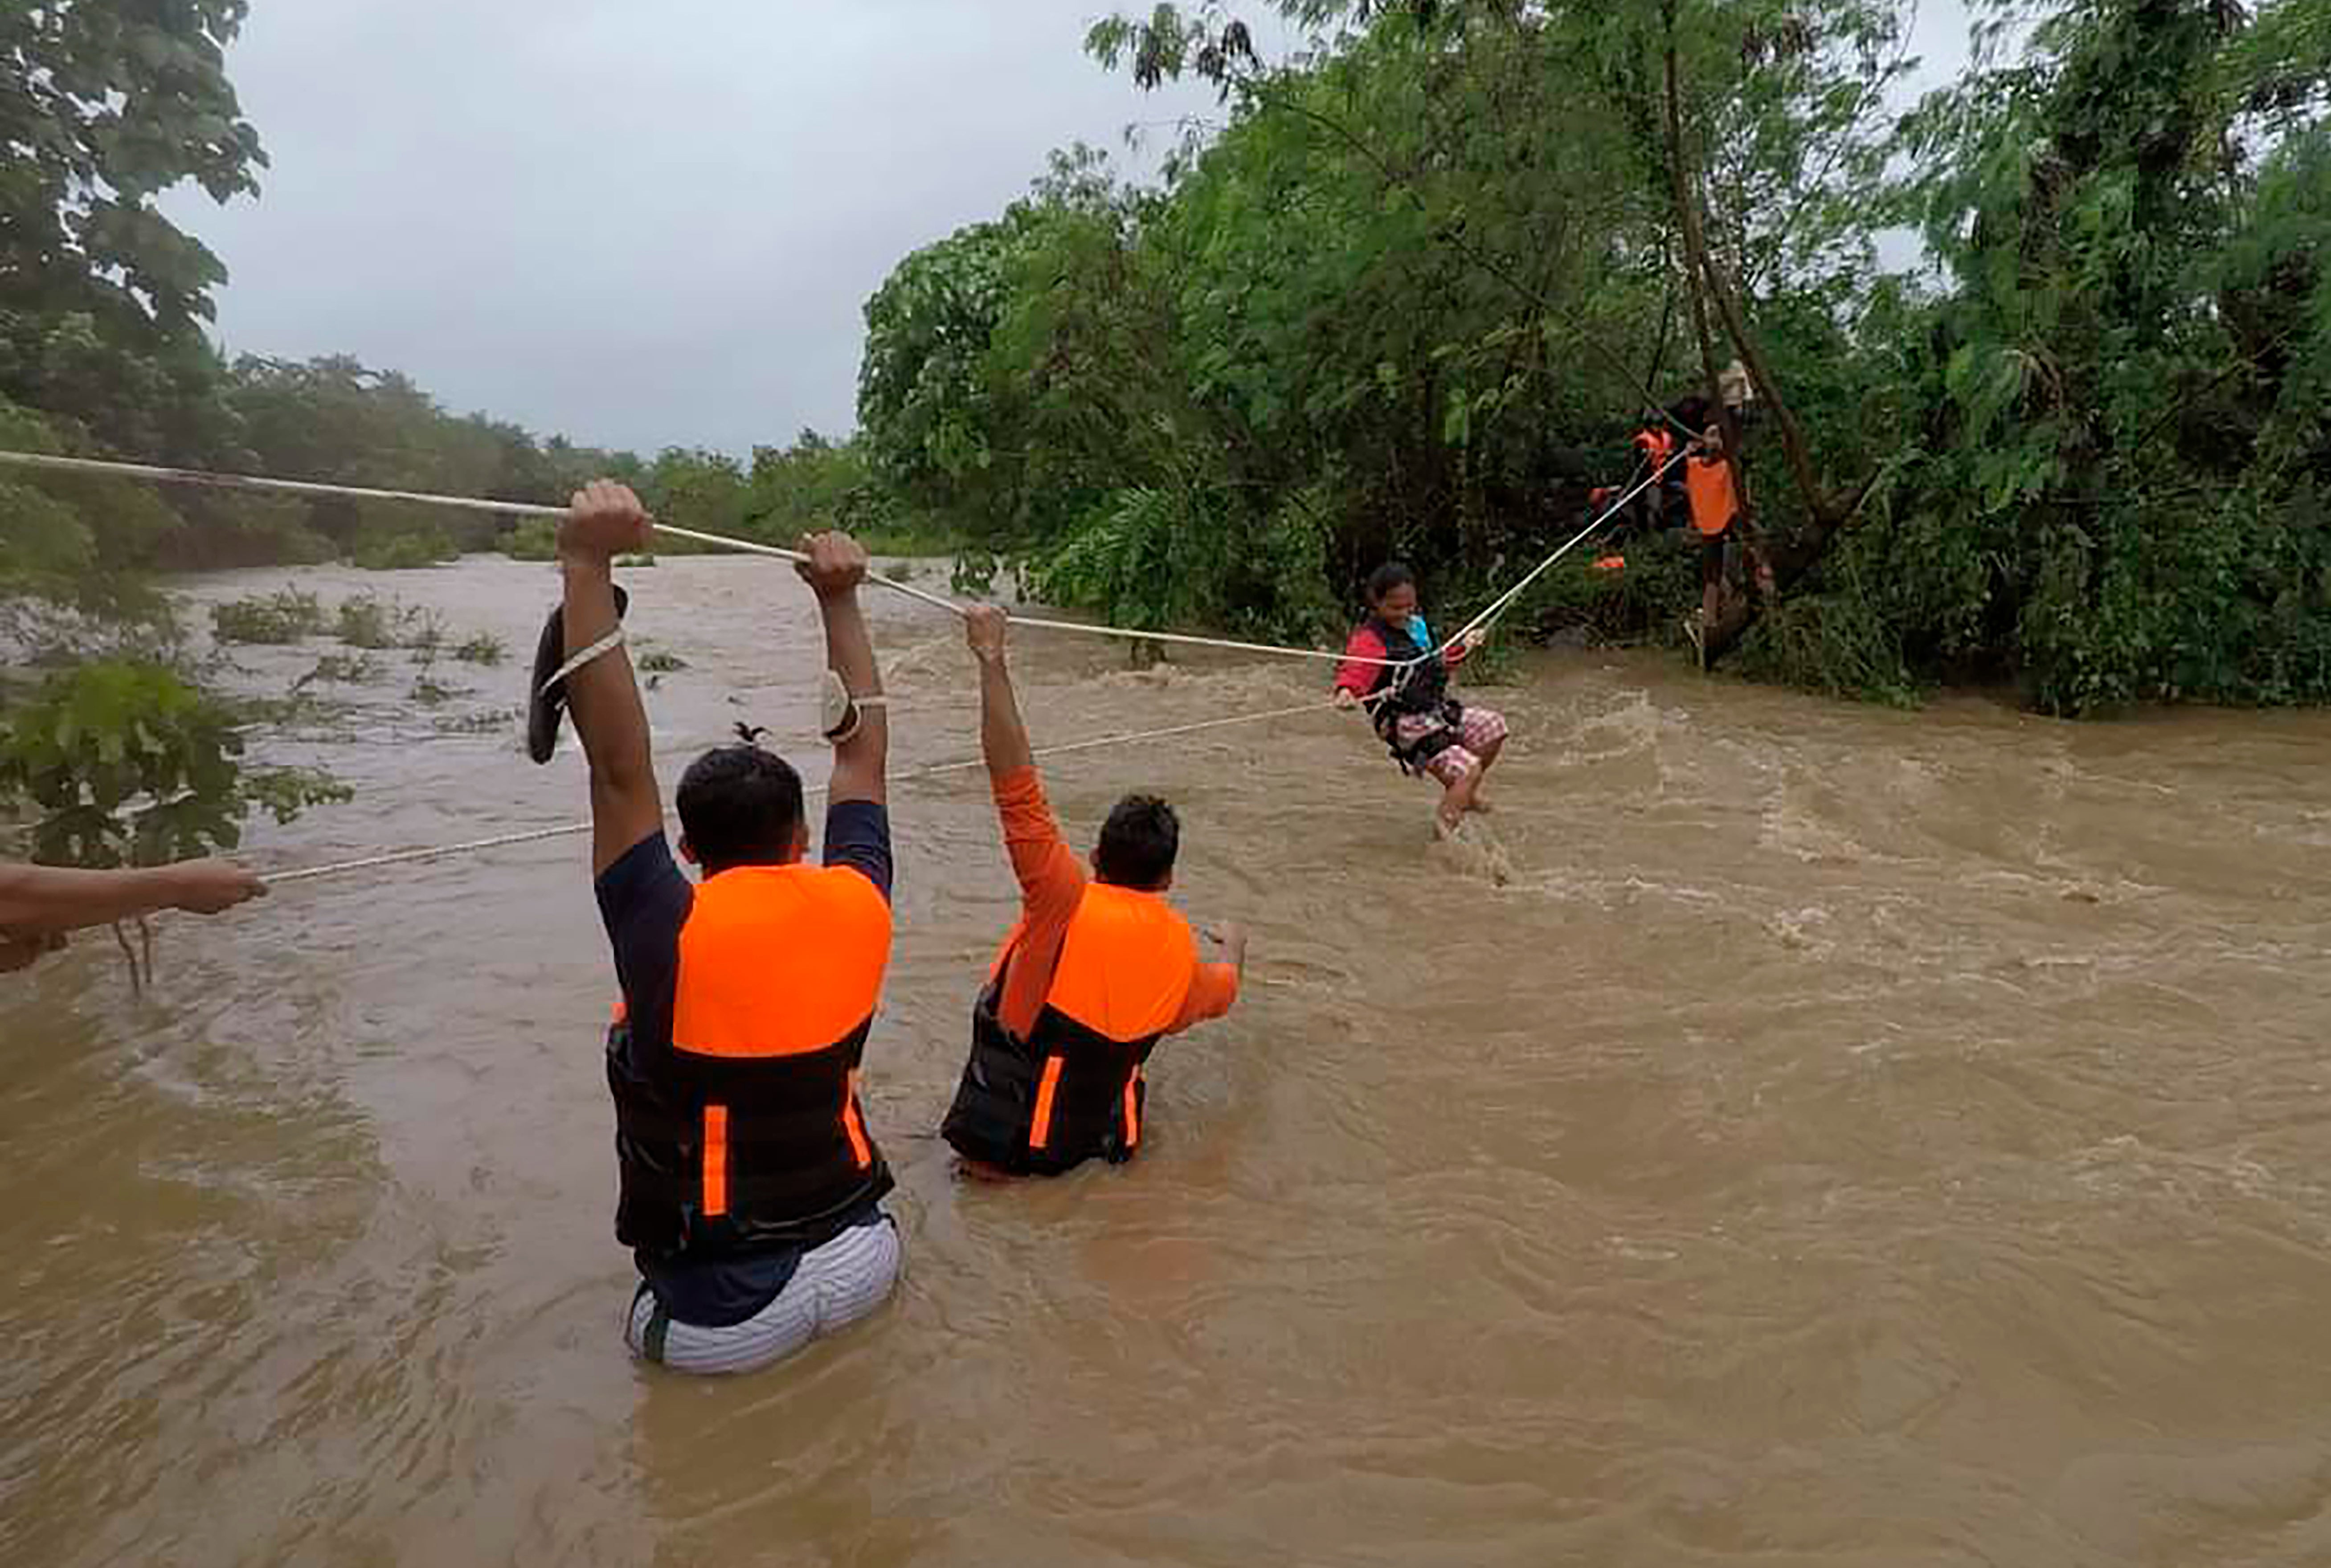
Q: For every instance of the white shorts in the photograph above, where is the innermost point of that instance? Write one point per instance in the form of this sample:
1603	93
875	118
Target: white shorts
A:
835	1286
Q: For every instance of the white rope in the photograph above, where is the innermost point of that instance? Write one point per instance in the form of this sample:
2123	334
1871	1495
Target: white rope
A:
571	830
255	483
416	857
1504	601
251	483
605	645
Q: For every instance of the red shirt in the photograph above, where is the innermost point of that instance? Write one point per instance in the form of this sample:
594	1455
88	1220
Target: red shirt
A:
1367	643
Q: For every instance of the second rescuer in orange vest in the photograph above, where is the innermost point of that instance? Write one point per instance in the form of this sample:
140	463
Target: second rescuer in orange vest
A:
1096	973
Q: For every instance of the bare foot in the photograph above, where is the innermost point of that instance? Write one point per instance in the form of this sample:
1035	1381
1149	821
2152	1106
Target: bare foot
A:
1479	804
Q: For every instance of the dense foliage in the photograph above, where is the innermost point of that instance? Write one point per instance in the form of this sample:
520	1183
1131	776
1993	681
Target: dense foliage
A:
2114	486
132	765
1410	296
1416	292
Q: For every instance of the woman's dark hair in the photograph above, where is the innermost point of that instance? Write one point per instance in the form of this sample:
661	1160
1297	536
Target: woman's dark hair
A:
1694	413
1385	578
740	806
1139	844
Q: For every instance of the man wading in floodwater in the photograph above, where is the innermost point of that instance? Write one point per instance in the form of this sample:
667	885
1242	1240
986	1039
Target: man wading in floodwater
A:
1096	973
751	1189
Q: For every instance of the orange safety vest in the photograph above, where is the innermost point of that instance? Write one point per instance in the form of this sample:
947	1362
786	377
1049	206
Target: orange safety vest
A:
745	1130
1073	1089
1714	503
1657	446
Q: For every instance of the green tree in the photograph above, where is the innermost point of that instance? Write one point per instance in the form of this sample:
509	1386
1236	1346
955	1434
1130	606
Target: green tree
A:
103	108
933	424
1585	159
2120	494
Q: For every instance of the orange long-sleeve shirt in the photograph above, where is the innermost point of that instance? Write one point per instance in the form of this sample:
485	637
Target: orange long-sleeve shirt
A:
1051	888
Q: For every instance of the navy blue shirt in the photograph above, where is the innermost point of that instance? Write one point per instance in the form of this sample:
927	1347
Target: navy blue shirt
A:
645	898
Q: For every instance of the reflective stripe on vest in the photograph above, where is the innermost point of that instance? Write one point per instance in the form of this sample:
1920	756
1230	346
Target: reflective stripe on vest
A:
1073	1089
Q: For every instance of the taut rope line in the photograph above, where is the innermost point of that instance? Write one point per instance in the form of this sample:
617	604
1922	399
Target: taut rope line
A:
249	483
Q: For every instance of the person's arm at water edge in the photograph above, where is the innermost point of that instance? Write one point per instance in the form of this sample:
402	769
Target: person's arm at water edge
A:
40	904
1215	990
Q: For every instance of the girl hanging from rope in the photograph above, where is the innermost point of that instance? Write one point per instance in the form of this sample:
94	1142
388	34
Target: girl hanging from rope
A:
1428	731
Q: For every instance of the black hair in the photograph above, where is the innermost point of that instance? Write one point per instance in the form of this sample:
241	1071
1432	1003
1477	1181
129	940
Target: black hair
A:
1694	413
1385	578
1139	844
740	806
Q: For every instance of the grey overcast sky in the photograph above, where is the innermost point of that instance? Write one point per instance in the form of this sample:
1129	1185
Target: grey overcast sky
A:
645	224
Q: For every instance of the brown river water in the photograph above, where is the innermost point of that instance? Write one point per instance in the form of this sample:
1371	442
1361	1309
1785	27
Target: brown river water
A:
1848	1138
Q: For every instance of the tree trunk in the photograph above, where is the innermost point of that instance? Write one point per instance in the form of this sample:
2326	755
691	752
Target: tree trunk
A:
1827	513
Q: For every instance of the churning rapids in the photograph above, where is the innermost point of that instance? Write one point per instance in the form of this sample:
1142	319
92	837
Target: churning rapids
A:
1847	1138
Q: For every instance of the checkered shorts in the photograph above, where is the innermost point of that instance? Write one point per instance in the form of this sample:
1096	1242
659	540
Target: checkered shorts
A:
1478	731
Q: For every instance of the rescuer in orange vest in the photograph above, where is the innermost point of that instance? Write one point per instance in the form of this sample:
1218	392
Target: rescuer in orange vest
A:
1719	516
751	1189
1715	509
1094	974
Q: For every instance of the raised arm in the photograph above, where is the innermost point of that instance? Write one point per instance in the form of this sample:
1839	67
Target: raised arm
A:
1052	882
605	521
836	565
1002	732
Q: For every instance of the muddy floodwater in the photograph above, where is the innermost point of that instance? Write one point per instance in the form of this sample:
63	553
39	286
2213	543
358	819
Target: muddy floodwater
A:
1847	1137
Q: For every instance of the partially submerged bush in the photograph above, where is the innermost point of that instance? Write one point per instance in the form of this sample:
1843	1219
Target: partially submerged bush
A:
339	669
370	622
276	619
534	539
404	552
430	693
129	764
365	622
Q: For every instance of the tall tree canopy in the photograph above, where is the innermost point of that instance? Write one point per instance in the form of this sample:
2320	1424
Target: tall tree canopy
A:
102	108
1415	290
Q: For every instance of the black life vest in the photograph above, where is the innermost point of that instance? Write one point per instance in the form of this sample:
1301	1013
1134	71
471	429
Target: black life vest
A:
1095	1106
1420	688
744	1131
1073	1090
